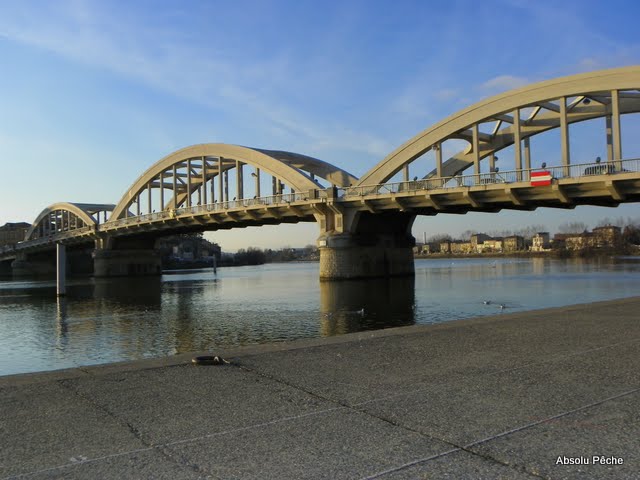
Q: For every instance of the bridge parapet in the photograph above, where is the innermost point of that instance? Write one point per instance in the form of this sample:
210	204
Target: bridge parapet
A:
573	171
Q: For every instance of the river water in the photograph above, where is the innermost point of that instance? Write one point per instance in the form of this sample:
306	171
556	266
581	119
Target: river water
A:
108	320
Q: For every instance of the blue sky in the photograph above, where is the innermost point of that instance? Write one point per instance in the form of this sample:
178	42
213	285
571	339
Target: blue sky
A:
93	93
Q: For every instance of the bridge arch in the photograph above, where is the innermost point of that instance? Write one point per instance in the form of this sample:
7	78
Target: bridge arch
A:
65	216
550	104
203	171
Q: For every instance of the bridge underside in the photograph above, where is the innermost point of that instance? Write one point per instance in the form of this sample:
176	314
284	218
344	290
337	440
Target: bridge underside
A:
599	190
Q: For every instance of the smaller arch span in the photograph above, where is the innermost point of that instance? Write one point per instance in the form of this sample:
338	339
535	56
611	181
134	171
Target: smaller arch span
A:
66	216
204	170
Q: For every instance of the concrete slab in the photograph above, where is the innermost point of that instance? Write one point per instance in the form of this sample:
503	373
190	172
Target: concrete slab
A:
139	465
47	425
465	411
187	401
455	466
340	444
611	429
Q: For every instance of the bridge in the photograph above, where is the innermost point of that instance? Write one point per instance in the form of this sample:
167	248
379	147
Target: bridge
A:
365	223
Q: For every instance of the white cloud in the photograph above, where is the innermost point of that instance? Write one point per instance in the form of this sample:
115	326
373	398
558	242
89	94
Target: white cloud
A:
445	94
504	82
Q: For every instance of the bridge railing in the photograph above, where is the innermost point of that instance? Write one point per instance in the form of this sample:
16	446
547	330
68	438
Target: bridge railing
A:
511	176
7	249
53	238
272	200
285	198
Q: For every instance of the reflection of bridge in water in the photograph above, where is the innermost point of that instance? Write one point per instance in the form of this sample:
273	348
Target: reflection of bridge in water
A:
365	224
128	317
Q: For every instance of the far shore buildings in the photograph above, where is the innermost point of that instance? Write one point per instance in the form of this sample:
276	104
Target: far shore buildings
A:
540	242
11	233
481	243
513	243
607	236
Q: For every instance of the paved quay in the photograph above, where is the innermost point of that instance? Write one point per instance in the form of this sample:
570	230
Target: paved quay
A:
499	397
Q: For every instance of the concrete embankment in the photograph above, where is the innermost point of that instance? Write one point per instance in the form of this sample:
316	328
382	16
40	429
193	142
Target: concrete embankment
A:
545	394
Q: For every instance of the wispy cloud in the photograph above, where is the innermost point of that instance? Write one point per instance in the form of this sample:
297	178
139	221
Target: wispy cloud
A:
445	94
504	82
205	74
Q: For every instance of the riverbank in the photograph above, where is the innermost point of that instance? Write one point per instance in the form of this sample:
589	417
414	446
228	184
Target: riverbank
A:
552	254
506	396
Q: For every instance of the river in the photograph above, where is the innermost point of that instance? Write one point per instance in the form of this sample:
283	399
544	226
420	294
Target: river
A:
109	320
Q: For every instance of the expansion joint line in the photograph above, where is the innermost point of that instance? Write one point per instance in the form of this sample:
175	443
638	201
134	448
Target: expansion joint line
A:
291	385
456	448
353	408
468	447
148	445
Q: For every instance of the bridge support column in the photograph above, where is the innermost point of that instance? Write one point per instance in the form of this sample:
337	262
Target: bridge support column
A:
5	268
125	263
380	245
61	269
126	257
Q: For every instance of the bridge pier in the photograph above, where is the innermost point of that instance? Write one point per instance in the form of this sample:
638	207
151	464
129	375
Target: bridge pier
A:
126	263
5	268
373	245
126	257
34	265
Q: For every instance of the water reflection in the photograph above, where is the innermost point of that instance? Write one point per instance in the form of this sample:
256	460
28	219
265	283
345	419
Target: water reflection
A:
61	322
135	291
107	320
356	305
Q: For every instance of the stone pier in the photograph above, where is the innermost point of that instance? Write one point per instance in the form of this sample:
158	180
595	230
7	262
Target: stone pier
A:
126	257
5	268
126	263
364	245
35	265
346	257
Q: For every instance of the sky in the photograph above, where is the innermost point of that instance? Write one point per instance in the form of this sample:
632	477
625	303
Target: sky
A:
92	93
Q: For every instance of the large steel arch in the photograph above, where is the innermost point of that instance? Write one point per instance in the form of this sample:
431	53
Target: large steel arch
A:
551	104
65	216
188	171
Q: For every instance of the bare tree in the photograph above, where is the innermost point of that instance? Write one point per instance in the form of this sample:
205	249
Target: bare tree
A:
466	235
618	222
500	233
530	231
439	238
572	227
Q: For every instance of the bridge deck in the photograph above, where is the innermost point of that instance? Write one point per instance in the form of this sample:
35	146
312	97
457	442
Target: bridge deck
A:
603	184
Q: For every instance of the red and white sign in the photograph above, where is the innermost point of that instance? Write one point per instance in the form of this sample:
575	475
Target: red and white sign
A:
541	178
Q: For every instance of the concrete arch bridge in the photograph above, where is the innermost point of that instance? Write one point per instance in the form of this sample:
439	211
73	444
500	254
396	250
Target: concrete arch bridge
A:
365	223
